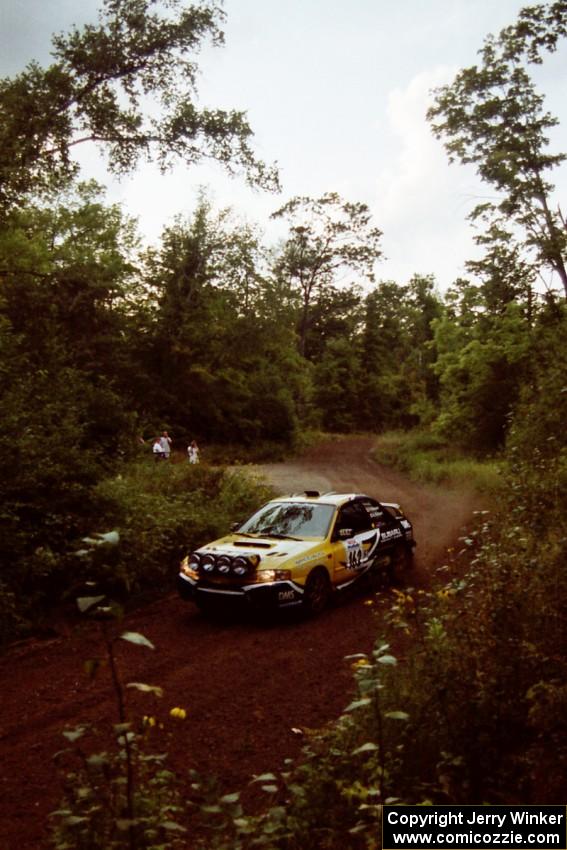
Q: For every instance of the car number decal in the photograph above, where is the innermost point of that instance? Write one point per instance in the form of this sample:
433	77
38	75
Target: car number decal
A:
359	550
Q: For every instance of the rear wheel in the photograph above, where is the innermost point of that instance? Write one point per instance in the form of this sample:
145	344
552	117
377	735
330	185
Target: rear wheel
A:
401	561
317	591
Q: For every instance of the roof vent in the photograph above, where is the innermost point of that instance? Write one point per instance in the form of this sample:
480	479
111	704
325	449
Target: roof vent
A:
312	493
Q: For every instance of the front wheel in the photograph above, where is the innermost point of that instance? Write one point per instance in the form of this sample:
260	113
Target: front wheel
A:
317	592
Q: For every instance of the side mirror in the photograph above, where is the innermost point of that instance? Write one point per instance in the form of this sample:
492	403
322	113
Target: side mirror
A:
234	526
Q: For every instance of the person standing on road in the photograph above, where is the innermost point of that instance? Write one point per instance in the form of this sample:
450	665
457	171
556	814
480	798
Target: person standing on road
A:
165	442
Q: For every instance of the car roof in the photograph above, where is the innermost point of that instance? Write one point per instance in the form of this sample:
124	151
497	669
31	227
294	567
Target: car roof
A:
314	496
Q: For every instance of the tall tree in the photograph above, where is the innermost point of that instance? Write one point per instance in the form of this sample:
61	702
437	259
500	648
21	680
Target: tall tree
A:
98	90
217	351
67	269
492	116
328	237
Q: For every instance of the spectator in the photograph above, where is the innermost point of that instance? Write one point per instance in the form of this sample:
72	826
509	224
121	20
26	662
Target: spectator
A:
165	442
193	452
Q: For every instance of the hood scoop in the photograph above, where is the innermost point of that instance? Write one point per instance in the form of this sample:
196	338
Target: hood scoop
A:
252	544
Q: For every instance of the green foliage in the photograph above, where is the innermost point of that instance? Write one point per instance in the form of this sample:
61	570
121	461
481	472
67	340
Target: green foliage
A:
61	337
336	384
328	237
480	372
236	369
162	511
397	384
96	812
97	91
426	456
490	678
492	115
539	421
122	796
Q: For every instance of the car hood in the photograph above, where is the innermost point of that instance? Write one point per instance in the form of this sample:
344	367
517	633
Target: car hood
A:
269	549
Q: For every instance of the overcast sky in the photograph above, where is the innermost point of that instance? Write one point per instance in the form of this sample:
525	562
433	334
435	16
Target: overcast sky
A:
336	93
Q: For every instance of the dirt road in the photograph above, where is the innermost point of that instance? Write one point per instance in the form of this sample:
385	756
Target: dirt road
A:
245	687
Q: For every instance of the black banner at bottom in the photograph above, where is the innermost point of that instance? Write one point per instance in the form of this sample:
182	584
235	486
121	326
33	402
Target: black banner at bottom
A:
478	827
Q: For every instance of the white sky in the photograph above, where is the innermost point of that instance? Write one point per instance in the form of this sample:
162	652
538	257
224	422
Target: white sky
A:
336	93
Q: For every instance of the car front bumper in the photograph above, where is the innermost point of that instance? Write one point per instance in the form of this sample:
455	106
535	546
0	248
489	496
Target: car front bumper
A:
275	594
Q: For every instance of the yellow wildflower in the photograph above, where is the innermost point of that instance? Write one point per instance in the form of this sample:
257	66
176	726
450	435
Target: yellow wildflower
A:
361	662
180	713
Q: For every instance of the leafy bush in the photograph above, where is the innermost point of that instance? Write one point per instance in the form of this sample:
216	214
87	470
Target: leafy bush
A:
162	510
159	510
122	797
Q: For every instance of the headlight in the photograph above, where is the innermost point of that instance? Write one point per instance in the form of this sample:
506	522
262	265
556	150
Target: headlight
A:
272	575
189	567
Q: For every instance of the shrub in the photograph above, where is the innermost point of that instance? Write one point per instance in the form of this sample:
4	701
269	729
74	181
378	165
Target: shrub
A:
162	510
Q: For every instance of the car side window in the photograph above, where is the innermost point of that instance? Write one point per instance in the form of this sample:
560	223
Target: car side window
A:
378	516
353	517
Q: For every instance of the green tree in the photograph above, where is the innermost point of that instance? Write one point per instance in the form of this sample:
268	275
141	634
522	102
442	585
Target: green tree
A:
481	370
69	275
336	379
538	428
383	348
64	370
336	314
97	91
225	366
504	272
47	463
329	237
397	383
492	116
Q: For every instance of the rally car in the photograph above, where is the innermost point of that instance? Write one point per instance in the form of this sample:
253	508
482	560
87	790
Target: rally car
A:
298	551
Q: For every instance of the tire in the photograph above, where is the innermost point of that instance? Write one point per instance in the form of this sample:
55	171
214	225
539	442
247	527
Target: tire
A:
400	564
317	592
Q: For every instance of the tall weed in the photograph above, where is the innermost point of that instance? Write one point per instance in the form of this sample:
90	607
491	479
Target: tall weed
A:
427	457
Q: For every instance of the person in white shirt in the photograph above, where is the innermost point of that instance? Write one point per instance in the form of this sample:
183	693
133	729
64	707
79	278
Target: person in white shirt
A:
165	442
193	452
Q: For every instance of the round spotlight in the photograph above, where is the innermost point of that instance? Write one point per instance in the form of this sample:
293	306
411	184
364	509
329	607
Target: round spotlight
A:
240	566
223	564
207	563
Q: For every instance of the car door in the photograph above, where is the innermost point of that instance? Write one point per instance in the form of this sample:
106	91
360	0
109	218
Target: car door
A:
388	525
355	540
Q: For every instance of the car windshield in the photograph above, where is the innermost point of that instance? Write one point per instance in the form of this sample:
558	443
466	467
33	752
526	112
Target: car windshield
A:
290	519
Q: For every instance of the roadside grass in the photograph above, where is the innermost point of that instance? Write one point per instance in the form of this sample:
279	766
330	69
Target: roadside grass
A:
264	451
426	457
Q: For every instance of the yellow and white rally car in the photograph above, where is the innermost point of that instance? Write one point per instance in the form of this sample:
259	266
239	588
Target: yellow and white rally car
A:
298	550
